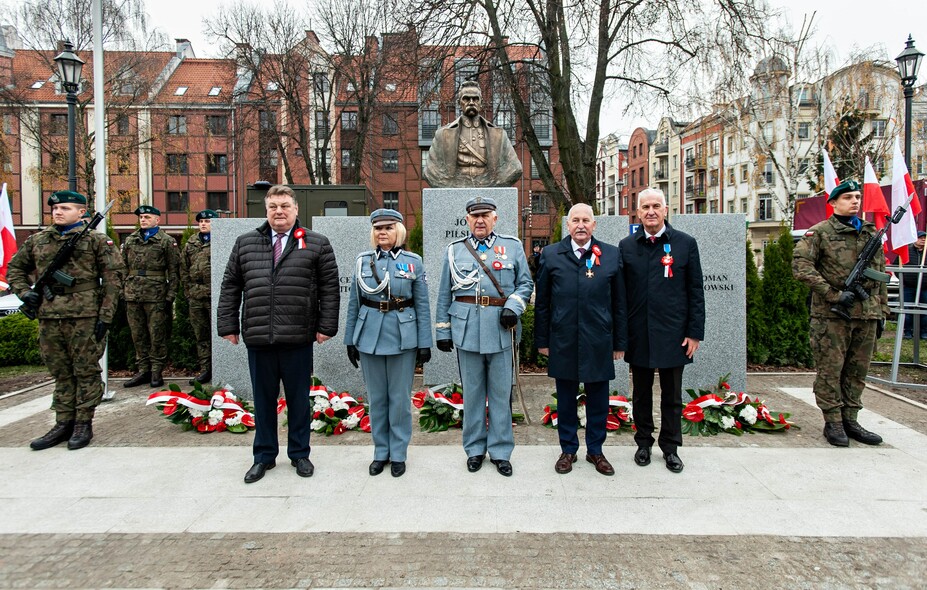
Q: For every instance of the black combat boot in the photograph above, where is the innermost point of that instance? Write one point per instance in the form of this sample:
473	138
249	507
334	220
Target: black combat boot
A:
203	378
138	379
833	432
83	432
156	379
858	433
59	433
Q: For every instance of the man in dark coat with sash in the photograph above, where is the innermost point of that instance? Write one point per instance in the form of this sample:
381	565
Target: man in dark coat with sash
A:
581	324
666	322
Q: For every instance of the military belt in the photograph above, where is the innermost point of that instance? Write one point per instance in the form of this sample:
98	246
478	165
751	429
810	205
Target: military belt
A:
76	288
483	300
388	304
148	273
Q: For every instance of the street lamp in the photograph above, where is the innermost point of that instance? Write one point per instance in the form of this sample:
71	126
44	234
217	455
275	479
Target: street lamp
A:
909	62
69	67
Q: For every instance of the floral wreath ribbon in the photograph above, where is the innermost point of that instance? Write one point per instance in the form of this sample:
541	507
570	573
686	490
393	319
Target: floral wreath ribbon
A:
667	262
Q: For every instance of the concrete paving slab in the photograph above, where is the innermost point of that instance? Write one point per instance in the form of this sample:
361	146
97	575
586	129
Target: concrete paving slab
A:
724	491
20	411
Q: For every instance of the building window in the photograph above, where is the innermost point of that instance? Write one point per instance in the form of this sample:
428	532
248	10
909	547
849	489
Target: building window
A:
320	83
181	90
390	160
346	158
730	206
217	200
424	159
714	207
803	164
730	143
321	123
689	208
217	124
177	164
713	177
766	129
58	125
430	121
390	126
215	90
880	166
390	200
804	130
675	162
744	173
767	176
713	147
177	201
878	127
123	163
540	202
920	165
122	124
323	160
731	177
505	120
177	125
765	212
349	120
541	122
535	173
743	205
124	202
8	124
217	164
267	120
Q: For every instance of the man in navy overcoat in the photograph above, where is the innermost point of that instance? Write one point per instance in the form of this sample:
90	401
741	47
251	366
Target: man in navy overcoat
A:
666	322
580	323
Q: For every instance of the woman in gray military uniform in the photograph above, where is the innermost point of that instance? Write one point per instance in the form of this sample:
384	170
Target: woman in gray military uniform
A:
388	329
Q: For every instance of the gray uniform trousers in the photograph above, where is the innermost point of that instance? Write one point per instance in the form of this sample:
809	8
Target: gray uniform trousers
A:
389	383
487	378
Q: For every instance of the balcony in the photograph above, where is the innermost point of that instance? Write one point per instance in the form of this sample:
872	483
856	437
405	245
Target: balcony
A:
660	175
661	148
697	162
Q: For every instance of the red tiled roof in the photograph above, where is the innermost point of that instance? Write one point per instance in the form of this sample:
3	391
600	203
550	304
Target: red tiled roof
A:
200	76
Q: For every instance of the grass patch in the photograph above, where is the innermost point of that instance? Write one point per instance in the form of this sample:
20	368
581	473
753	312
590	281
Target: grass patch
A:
16	370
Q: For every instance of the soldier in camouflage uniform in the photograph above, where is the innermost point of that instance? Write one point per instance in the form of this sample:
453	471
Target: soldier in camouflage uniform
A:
152	262
73	325
842	349
195	274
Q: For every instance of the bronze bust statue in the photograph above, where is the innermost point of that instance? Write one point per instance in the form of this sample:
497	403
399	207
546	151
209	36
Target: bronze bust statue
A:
471	151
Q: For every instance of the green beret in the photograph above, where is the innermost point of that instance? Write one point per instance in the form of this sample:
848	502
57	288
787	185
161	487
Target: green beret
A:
847	186
147	209
67	197
206	214
481	205
385	216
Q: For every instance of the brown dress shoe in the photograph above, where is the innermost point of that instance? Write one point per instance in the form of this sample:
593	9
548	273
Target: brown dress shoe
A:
565	463
601	464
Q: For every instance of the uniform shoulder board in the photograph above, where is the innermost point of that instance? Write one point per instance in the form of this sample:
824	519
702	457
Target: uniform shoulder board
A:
412	254
365	253
458	240
808	233
509	237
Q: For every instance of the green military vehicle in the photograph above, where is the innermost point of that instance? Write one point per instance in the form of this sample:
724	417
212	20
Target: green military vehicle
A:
316	200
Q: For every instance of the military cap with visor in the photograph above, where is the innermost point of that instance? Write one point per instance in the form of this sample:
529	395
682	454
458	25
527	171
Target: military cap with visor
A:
481	205
385	216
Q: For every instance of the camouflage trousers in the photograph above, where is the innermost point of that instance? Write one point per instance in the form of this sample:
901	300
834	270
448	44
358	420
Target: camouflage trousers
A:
150	326
200	315
72	356
842	351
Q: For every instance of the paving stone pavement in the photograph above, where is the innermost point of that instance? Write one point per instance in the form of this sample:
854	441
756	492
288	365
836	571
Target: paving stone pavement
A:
116	516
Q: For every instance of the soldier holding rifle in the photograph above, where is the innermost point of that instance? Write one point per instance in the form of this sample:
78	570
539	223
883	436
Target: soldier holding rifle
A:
841	260
79	280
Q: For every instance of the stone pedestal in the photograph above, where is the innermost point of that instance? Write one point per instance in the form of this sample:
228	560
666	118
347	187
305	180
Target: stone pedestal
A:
444	221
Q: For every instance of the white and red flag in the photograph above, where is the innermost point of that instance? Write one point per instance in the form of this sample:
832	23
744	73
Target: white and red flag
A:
905	231
7	237
873	199
830	182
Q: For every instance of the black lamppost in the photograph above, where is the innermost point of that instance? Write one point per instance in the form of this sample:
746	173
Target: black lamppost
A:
909	62
69	67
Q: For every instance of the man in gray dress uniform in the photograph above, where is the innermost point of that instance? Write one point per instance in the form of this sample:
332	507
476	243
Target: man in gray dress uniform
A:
485	286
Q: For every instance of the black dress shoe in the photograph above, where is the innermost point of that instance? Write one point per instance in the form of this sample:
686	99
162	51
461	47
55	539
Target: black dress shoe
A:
258	470
156	379
59	433
474	463
835	435
138	379
304	467
502	466
397	468
83	432
376	467
673	462
858	433
642	456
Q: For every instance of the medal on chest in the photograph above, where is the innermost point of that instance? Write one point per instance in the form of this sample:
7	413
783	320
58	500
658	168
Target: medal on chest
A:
405	269
500	252
667	262
497	264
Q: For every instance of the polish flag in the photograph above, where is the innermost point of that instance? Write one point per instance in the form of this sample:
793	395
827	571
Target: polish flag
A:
873	200
830	183
7	237
905	231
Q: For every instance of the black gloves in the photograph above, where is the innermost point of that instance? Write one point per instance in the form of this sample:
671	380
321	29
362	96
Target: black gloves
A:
353	355
445	345
508	319
880	327
99	332
32	299
423	356
846	299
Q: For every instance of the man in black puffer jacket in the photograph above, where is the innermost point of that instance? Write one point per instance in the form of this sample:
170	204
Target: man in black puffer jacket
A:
288	279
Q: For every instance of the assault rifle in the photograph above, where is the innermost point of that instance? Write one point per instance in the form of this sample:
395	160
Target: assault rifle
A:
53	273
862	270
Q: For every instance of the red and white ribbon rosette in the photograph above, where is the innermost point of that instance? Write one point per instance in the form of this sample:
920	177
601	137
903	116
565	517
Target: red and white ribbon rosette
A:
300	234
597	254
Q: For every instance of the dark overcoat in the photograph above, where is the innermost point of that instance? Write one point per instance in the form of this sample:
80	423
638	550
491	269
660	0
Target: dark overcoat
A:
580	319
662	311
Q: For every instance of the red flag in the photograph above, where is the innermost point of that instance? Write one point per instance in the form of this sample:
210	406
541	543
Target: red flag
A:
830	183
7	237
873	199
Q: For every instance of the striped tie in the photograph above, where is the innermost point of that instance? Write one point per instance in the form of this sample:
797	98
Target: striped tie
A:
278	248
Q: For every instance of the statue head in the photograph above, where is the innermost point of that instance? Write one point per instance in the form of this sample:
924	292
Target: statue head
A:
470	98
